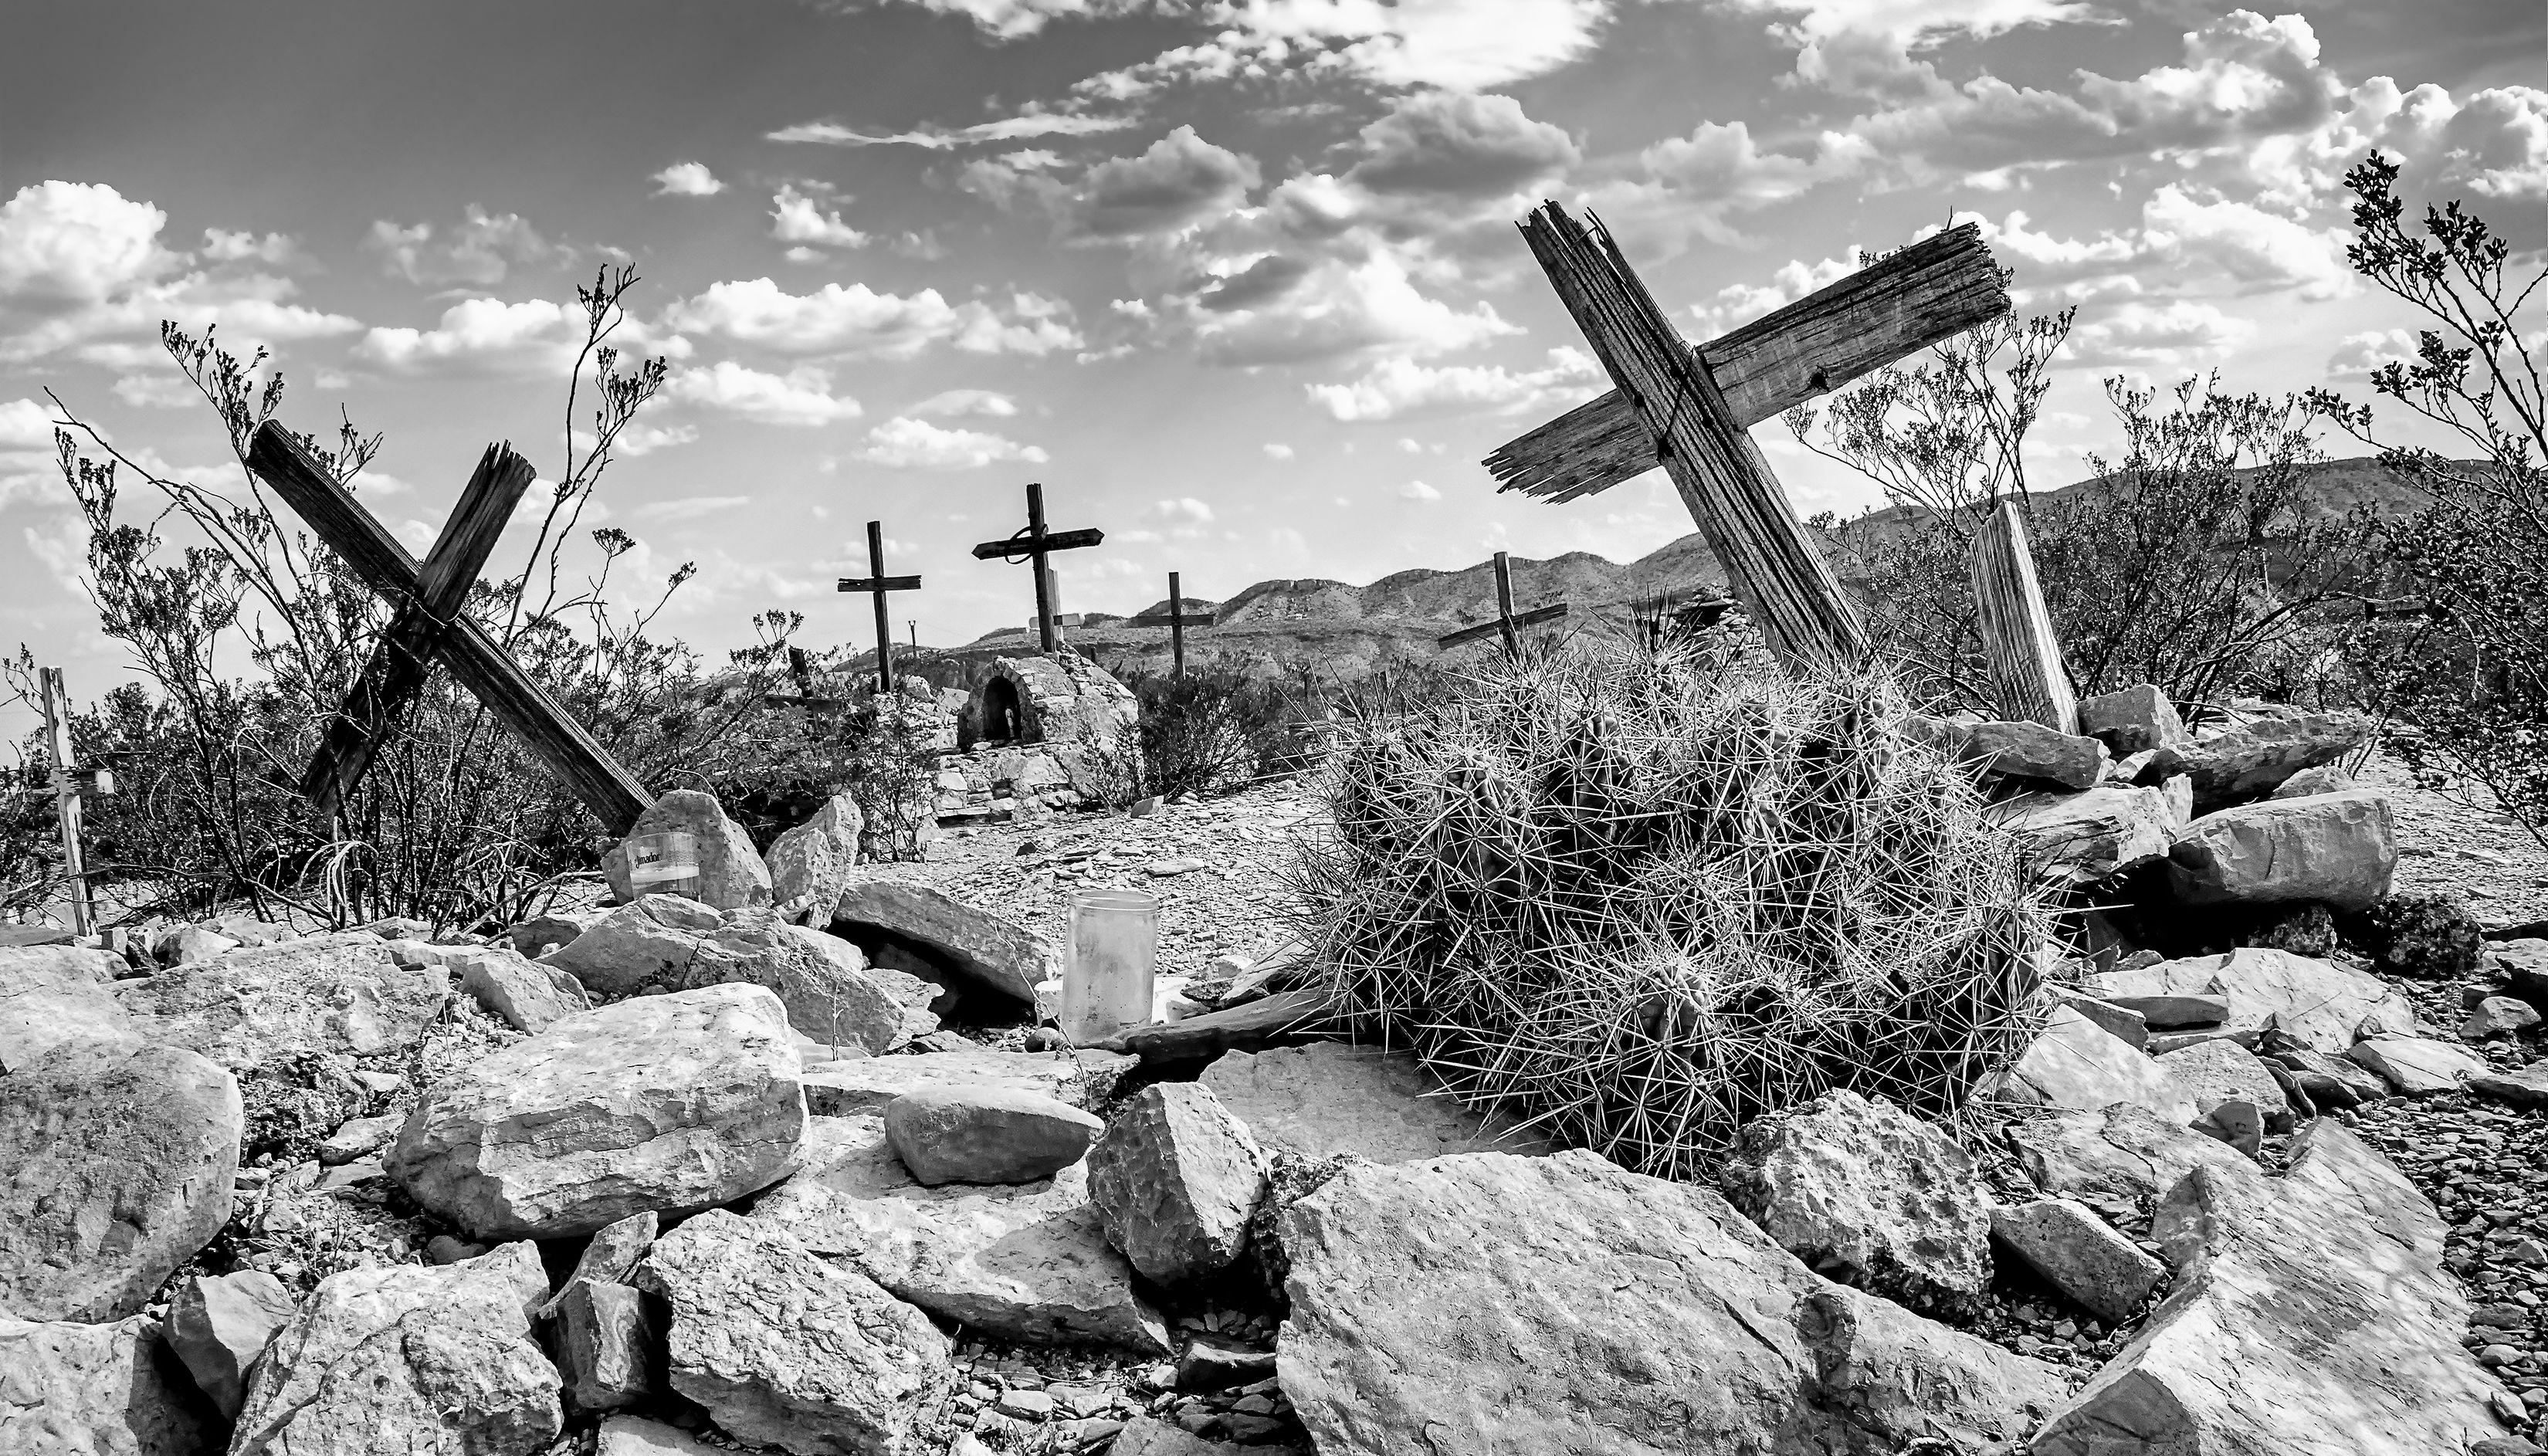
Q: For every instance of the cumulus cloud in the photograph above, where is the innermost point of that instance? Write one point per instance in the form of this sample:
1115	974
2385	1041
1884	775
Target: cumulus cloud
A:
2360	353
1183	510
798	218
157	389
1394	388
482	337
1741	303
1022	127
1340	307
2157	336
482	250
1418	490
907	443
1277	450
859	322
1447	143
1863	47
802	397
1179	180
959	403
274	249
686	179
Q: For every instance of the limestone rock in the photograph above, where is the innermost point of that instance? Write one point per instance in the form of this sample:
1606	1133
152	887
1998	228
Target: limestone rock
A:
546	932
731	874
2324	778
647	943
669	1103
218	1324
2026	750
608	1258
1024	1261
979	1134
856	1088
605	1344
2311	1003
531	995
1868	1195
340	995
116	1164
359	1138
2094	833
2169	1011
996	954
2497	1016
2081	1067
1328	1096
2527	1087
1494	1302
50	994
629	1435
2079	1254
2331	1082
1174	1180
432	1362
787	1349
813	862
831	993
2121	1155
2131	720
2215	1072
2310	1314
2333	849
1146	1435
79	1388
2127	1024
2252	758
2418	1066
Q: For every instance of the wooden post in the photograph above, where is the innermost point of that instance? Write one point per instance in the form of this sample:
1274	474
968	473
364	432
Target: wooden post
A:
879	583
2026	673
1503	603
1506	622
484	668
1038	544
1898	305
1777	569
1176	629
66	796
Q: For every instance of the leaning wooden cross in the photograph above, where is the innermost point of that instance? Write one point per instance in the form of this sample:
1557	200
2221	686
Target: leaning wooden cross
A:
1688	408
1037	544
429	623
1508	622
877	583
1178	619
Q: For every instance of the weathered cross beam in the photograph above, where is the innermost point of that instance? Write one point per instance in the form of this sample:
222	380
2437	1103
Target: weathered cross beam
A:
481	665
1178	620
1037	544
1508	622
877	583
1898	305
2027	675
396	673
1774	567
68	781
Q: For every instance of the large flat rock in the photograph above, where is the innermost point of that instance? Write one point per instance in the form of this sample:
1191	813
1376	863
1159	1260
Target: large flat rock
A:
1023	1261
864	1085
2078	1065
990	950
1328	1096
2333	849
49	994
116	1164
338	994
731	874
2249	760
1490	1302
97	1390
2311	1316
2317	1003
2093	834
2117	1154
666	1104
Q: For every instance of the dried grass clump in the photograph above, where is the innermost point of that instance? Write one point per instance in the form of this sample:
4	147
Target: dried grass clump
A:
1639	899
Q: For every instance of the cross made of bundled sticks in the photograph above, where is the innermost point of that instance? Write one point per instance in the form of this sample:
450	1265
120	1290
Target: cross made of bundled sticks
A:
1687	410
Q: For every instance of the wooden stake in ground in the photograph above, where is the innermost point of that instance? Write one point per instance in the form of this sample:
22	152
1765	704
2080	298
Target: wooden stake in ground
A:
68	781
2027	675
1508	622
1776	569
1037	544
1178	620
877	583
482	667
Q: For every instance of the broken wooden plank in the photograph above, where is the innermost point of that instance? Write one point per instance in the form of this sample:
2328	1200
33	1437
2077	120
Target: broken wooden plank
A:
1896	305
2025	654
484	668
1554	611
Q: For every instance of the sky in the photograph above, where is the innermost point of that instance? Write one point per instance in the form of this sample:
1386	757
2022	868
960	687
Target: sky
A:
1237	282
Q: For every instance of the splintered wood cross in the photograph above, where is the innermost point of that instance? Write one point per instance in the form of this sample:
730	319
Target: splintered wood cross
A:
2027	675
877	583
429	624
1508	622
1689	408
1037	544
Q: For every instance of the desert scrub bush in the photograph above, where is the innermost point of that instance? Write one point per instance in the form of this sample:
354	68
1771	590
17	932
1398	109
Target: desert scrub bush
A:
1639	899
2432	937
1205	733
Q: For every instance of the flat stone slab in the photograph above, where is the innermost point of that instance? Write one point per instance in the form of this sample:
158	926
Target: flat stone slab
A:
341	994
2079	1065
2419	1067
862	1086
2092	835
2527	1087
2118	1156
97	1390
2317	1003
1327	1097
2334	848
2079	1254
990	950
1024	1261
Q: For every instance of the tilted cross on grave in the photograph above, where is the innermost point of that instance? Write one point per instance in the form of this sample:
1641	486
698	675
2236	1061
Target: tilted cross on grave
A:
877	583
1177	620
1037	544
1688	408
428	622
1508	622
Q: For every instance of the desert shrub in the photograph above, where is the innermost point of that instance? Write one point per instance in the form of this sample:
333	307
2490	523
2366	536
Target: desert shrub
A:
2432	937
2307	931
2465	656
1640	899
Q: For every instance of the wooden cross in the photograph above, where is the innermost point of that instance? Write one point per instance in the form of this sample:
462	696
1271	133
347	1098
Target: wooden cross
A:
1038	544
450	635
2027	675
876	583
1689	408
1178	620
1508	622
68	782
